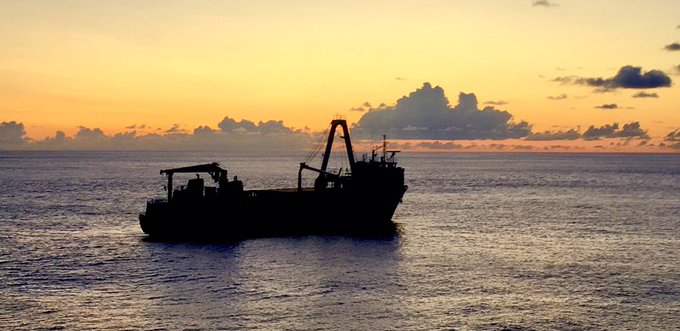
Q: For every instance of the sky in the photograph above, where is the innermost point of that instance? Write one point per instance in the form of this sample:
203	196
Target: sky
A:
72	69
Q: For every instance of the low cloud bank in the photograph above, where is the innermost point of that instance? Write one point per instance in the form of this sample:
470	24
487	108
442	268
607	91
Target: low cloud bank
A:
630	130
231	136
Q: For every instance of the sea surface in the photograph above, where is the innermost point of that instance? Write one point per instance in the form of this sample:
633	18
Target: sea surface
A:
488	242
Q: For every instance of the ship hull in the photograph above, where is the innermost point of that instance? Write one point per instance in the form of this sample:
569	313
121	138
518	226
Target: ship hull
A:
271	213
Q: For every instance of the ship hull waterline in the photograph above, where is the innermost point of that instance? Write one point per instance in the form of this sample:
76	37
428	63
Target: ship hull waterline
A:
275	213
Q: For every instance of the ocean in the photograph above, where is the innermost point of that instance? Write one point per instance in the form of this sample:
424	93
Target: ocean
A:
488	242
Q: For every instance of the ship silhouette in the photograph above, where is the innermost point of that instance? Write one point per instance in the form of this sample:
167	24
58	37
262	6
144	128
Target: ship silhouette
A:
359	202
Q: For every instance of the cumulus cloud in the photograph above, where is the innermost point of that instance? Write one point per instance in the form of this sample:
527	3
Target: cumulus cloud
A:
608	106
629	77
630	130
426	114
543	3
645	95
12	135
554	135
231	136
673	47
558	97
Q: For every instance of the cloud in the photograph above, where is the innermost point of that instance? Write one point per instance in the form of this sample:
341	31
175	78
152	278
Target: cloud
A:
627	77
399	78
12	135
175	129
645	95
437	145
554	135
366	106
630	130
426	114
543	3
229	125
135	126
673	47
558	97
673	138
496	103
608	106
231	136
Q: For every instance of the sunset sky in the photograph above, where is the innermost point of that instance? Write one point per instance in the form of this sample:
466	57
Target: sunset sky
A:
115	64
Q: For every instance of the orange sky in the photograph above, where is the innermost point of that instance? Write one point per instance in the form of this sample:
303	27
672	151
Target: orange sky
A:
109	65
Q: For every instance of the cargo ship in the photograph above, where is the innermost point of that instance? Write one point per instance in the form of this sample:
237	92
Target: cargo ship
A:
358	202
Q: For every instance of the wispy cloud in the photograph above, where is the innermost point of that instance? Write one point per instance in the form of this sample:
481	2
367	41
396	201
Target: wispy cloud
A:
496	103
645	95
543	3
558	97
608	106
673	47
571	134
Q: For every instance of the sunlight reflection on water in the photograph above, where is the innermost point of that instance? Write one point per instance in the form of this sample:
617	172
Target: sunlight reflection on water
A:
530	242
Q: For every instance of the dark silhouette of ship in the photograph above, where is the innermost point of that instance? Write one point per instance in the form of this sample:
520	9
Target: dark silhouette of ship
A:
359	202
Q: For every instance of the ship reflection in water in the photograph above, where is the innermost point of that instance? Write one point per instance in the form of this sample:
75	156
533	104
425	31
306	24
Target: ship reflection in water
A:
358	202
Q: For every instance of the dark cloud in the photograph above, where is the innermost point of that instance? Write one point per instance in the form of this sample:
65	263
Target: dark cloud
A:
630	130
399	78
673	47
627	77
645	95
12	135
554	135
673	136
608	106
496	103
673	139
558	97
543	3
426	114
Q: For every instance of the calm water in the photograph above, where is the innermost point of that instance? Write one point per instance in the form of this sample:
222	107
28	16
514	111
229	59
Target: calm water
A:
490	242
